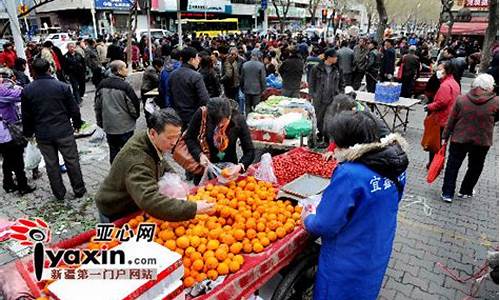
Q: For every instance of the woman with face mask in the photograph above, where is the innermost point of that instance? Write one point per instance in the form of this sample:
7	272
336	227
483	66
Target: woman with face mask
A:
444	100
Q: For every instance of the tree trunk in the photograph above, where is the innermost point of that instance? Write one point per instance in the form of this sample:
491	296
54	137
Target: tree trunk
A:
131	31
382	20
313	7
369	22
489	38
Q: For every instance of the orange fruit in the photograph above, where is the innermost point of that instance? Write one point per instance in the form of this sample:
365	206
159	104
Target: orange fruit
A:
250	186
198	231
186	262
221	254
189	281
182	242
196	255
212	274
223	269
239	234
227	239
180	231
239	259
236	248
170	244
133	223
140	218
200	277
271	235
251	224
211	263
197	265
247	247
280	232
225	212
158	241
234	266
208	254
298	209
213	244
180	251
242	183
189	251
215	233
251	233
288	227
195	241
257	247
202	248
192	273
261	227
166	235
265	241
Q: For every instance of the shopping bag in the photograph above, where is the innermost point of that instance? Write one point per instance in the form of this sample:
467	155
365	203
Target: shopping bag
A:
171	185
265	172
436	165
431	139
33	156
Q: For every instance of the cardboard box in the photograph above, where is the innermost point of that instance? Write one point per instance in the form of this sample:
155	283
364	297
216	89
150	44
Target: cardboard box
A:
267	136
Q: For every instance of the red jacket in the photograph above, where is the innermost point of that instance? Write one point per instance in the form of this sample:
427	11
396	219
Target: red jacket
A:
445	99
8	58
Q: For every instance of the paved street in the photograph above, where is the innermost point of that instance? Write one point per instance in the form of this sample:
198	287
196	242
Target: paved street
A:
457	235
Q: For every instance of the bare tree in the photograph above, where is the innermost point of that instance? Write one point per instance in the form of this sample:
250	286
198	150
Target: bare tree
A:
36	4
282	7
446	16
382	20
313	7
491	33
370	11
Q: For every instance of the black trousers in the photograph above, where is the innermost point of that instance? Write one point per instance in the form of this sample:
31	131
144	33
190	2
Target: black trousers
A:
13	162
407	84
456	156
81	85
96	76
371	82
69	151
232	93
348	79
75	87
250	102
116	143
357	77
320	109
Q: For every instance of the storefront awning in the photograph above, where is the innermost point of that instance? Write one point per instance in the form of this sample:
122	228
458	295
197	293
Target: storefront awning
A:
465	28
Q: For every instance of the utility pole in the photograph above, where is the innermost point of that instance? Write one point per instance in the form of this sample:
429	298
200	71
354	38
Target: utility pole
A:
179	25
11	7
264	22
94	23
147	3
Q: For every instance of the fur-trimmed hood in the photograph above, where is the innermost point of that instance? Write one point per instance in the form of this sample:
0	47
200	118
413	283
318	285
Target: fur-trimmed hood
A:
387	157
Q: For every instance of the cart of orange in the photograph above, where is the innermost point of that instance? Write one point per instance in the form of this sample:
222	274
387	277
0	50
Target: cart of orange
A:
250	238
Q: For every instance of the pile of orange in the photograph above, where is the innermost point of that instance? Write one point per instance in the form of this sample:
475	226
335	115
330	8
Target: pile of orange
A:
247	220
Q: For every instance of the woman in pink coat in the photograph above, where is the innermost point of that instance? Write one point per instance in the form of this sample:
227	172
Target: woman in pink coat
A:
445	98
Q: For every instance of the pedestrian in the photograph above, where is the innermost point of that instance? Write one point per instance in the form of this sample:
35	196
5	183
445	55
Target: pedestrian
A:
172	63
116	108
326	83
346	61
75	70
225	126
253	77
210	77
411	68
358	210
311	61
92	61
80	47
373	66
459	64
444	100
49	55
231	77
388	61
115	52
12	153
186	87
470	130
132	182
102	52
47	107
291	71
19	72
151	78
360	62
8	56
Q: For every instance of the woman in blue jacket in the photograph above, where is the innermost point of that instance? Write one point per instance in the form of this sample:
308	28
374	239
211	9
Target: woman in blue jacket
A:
357	216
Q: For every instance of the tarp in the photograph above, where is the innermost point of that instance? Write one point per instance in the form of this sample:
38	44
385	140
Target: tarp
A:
465	28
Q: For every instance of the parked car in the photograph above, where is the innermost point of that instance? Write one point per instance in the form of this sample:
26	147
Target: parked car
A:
155	33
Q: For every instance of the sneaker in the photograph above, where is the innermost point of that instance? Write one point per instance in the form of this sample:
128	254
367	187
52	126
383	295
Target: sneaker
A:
464	196
26	190
446	199
80	195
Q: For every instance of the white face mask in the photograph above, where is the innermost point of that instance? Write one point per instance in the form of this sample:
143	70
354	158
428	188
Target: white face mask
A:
439	74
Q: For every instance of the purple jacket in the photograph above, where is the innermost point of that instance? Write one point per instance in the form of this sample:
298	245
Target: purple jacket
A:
9	95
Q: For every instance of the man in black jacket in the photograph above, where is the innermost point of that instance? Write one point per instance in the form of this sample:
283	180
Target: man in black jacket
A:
74	67
186	87
373	66
291	71
388	61
117	108
47	107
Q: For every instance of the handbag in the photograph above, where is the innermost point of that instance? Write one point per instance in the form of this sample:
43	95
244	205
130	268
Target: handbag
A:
181	154
431	139
16	132
436	165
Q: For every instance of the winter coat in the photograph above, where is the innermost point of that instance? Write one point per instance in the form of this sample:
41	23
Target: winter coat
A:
388	61
231	77
253	77
357	218
237	129
132	184
116	106
324	86
92	58
8	58
150	79
47	106
75	65
360	60
211	82
291	71
444	100
345	58
187	92
473	119
48	55
374	62
311	62
170	66
411	66
9	95
102	52
115	52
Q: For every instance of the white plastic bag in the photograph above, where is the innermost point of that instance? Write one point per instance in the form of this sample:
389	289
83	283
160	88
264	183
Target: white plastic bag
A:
98	136
265	172
171	185
33	156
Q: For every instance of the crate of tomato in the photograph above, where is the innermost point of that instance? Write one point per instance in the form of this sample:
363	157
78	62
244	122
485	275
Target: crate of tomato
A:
297	162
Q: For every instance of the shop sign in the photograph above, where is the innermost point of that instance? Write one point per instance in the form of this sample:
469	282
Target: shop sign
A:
113	4
218	6
476	3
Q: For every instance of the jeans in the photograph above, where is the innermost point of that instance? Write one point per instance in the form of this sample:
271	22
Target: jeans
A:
457	153
357	78
69	151
320	109
13	163
75	87
250	102
116	143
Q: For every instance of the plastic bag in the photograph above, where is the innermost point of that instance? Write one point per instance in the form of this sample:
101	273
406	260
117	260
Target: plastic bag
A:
265	172
33	156
98	136
171	185
436	165
220	171
298	128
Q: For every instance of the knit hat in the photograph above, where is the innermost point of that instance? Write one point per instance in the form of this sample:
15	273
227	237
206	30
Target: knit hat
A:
330	52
